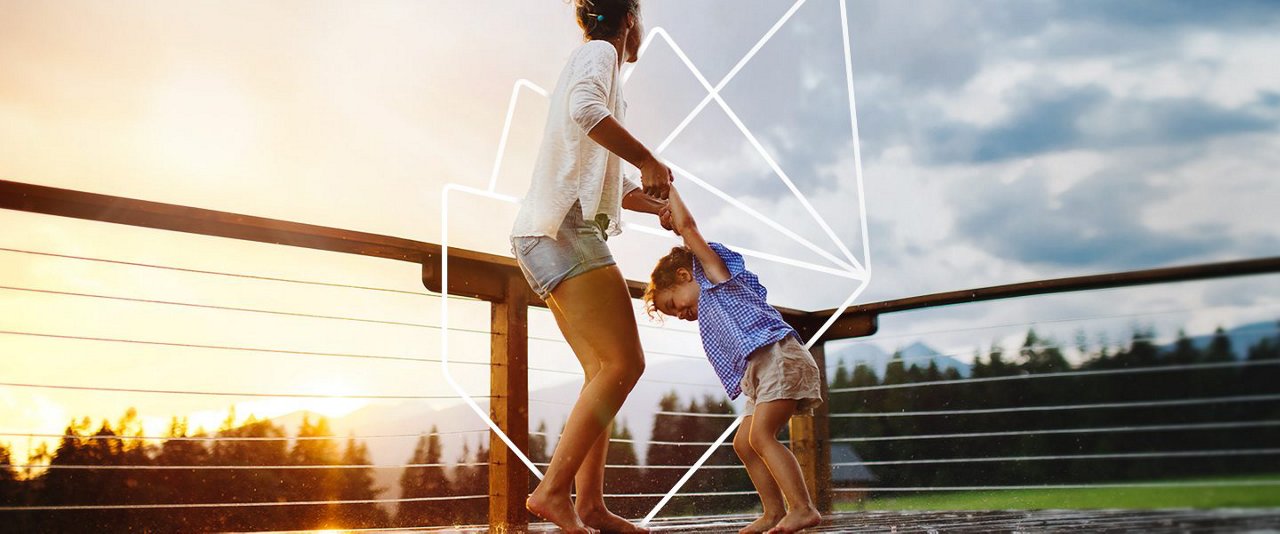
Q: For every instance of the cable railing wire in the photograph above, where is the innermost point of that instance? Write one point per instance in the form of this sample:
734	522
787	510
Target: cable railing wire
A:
1133	485
1063	374
658	442
1093	430
642	379
232	275
1033	323
237	309
638	466
235	348
242	438
646	351
230	504
690	494
1106	456
694	414
1060	407
235	394
241	467
835	363
327	502
859	361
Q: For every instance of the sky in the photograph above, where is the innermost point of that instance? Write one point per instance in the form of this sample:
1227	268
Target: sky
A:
1001	142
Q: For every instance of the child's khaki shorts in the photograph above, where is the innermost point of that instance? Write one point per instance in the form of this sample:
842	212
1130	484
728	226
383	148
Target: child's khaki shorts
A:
782	371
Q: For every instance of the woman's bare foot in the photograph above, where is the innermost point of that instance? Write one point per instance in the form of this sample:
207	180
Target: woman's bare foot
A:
601	518
558	510
761	525
797	520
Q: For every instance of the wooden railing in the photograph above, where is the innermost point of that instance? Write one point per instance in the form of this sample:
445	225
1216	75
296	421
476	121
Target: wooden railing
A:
497	280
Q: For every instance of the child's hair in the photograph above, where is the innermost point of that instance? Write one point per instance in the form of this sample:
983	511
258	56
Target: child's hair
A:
664	276
604	19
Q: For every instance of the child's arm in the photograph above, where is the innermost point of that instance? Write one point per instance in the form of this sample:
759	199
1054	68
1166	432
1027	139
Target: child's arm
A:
683	224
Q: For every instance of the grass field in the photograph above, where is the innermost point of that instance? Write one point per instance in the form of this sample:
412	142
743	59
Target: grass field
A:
1214	497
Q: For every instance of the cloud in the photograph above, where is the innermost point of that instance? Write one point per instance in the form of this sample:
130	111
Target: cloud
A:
1173	13
1097	224
1062	119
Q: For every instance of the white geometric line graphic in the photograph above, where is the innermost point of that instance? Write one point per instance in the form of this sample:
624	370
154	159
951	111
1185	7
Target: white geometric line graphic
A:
852	269
762	218
753	253
857	144
506	125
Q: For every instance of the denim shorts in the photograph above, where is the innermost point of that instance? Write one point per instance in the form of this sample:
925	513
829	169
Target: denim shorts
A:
579	247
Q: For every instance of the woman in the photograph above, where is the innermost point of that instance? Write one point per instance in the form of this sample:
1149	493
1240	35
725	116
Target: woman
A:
572	207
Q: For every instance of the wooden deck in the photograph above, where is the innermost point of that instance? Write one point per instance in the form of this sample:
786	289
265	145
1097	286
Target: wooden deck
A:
1165	520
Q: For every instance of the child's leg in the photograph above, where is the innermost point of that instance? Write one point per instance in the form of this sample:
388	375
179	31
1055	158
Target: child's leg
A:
769	418
770	494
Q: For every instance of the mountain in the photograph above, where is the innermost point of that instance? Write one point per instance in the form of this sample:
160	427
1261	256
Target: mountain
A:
877	359
1242	337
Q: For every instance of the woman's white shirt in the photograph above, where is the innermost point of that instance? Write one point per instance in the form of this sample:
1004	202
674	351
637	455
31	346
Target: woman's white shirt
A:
571	167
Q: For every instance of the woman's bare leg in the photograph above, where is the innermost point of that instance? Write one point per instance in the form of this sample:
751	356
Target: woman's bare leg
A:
596	307
769	418
770	495
589	480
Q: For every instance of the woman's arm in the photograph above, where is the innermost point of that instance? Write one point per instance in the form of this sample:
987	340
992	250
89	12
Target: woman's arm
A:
593	72
654	175
682	221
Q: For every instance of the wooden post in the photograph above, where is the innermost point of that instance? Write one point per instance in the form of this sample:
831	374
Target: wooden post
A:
509	408
809	435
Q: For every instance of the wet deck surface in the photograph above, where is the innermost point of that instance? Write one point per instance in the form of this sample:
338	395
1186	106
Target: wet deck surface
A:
1159	521
1248	520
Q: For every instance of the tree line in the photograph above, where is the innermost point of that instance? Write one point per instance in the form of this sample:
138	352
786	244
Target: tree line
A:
1189	376
677	441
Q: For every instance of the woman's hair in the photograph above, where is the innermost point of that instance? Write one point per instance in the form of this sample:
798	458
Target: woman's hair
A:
664	275
604	19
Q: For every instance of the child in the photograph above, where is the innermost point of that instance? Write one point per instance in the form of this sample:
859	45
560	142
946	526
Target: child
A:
754	353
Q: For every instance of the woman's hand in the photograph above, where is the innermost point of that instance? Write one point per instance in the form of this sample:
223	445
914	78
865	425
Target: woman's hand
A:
655	178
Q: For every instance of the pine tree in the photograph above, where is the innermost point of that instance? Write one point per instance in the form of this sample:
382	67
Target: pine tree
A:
428	481
471	477
1220	348
1041	355
250	485
181	487
1184	350
9	483
66	486
538	445
358	485
621	450
841	379
314	484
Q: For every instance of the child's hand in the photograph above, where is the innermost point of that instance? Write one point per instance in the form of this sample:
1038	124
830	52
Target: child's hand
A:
681	219
664	218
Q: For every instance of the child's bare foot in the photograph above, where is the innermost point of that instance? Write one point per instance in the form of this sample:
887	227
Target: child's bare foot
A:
556	509
797	520
608	522
761	525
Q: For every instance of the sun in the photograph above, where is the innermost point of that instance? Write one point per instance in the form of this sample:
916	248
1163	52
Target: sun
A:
335	406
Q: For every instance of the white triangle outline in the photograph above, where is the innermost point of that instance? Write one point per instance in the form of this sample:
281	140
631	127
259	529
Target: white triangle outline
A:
856	271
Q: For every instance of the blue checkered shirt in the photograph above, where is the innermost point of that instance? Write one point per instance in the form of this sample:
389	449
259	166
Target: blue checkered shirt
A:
735	319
